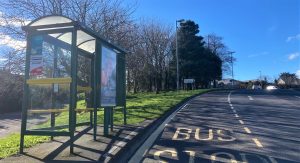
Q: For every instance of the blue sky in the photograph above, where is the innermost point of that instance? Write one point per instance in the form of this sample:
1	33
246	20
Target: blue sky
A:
265	34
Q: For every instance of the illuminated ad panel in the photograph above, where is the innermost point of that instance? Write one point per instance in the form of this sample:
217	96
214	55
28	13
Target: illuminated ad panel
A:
108	77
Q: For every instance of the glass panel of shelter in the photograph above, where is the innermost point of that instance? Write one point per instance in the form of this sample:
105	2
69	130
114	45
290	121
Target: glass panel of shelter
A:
49	83
84	88
50	78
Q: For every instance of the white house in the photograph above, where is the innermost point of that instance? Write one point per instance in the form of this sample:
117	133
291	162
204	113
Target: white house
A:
228	82
293	82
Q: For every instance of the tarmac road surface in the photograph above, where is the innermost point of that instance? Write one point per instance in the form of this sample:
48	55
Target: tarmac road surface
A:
254	126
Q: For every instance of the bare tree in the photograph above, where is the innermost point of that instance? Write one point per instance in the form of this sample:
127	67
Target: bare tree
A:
108	18
149	58
156	40
216	45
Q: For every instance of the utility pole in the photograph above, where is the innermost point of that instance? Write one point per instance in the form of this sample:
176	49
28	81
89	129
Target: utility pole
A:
177	62
260	78
231	52
260	75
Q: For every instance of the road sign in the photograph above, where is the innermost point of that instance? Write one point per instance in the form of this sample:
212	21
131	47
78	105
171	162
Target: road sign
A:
186	81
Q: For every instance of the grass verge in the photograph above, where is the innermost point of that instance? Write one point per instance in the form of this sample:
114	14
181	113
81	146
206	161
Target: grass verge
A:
140	106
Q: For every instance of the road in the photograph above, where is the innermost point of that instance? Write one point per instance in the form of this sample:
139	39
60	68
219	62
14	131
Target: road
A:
238	126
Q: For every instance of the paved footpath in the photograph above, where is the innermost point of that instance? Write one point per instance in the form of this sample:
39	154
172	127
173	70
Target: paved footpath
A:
85	148
232	127
9	123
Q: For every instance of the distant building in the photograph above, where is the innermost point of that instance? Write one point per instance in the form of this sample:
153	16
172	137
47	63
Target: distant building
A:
228	83
295	82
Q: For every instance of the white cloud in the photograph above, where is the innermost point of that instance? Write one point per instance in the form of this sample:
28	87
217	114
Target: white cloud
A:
6	40
296	37
2	59
293	56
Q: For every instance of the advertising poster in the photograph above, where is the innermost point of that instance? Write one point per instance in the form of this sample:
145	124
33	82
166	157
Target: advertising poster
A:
108	77
36	56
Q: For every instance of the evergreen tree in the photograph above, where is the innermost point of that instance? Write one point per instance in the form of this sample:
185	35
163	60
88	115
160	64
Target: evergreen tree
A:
195	60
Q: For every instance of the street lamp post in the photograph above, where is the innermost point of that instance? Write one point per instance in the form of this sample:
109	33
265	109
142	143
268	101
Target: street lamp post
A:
260	79
177	64
231	52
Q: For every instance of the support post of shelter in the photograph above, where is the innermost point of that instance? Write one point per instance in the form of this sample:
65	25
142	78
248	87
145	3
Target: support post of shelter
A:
91	95
111	119
73	88
54	75
95	124
124	114
25	95
106	121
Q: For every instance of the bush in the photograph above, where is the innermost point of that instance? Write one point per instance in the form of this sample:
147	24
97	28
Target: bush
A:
11	91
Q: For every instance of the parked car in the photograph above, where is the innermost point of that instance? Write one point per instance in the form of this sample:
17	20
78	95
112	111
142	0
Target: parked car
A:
271	87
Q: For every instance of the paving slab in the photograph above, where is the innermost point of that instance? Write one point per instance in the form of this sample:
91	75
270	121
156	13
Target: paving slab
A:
85	148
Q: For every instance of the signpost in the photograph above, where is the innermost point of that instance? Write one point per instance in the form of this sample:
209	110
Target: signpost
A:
189	81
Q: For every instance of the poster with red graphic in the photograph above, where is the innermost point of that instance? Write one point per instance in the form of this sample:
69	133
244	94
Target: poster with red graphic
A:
36	65
36	56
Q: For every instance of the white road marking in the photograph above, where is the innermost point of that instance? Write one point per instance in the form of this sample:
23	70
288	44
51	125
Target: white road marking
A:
228	97
257	142
241	121
247	130
250	98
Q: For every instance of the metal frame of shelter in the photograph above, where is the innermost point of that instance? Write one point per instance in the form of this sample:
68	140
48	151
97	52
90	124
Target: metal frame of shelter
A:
63	32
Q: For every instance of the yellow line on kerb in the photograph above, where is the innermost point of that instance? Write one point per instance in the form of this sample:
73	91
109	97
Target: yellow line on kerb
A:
247	130
257	142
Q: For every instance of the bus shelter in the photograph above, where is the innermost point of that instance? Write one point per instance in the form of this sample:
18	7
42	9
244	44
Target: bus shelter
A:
70	73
